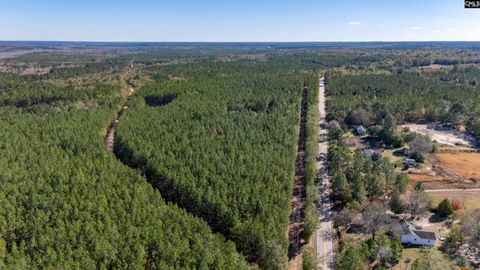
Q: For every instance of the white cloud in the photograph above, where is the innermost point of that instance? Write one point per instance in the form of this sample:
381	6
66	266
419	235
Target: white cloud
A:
416	28
449	29
355	23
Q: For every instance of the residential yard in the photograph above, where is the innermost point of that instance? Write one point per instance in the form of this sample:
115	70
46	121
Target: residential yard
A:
408	253
394	156
413	253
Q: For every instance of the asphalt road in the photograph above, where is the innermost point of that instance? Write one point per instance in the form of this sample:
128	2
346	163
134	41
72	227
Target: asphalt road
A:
324	231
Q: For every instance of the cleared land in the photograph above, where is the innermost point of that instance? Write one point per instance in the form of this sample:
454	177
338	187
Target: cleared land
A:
451	170
463	164
444	136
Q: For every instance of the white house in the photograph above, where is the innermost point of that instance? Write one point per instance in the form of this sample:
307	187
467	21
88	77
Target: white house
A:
411	236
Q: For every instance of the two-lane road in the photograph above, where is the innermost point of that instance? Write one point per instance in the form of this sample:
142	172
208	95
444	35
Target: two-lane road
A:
324	231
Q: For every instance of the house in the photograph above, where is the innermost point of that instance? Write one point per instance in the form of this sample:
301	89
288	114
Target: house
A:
410	161
409	235
360	130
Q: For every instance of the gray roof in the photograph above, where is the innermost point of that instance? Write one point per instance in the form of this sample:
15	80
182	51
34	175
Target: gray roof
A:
400	228
425	235
361	129
404	228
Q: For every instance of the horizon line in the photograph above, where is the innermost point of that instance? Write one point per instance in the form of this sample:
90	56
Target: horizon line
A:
179	41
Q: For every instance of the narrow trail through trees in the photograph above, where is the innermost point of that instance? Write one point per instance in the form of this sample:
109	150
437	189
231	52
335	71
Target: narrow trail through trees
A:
297	214
299	192
110	137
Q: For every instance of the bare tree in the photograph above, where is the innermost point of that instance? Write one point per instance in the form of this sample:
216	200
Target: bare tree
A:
471	225
359	117
343	219
374	218
384	255
418	147
421	144
418	203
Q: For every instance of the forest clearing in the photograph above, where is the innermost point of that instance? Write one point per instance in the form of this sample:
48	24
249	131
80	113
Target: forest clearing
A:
442	135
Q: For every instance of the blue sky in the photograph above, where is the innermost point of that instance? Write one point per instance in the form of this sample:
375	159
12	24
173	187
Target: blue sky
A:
239	20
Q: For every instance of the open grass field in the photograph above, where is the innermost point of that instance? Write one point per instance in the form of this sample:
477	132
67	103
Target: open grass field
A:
393	157
469	198
461	163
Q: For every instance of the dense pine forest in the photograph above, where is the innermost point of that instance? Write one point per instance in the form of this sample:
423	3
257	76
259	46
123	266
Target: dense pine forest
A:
202	172
68	203
220	141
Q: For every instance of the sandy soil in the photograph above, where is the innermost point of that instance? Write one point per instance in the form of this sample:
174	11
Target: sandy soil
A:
435	66
443	136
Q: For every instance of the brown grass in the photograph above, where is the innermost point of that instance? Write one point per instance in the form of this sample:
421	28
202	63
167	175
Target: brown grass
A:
461	163
468	199
451	170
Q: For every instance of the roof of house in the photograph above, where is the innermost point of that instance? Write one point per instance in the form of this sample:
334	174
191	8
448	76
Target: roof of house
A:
361	129
425	234
400	228
404	228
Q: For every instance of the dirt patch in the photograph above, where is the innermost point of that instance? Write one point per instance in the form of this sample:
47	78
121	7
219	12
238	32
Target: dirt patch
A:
435	66
16	53
451	170
463	164
442	135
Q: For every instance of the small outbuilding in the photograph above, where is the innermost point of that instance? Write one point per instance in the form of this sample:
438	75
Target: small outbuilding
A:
409	235
370	152
360	130
410	161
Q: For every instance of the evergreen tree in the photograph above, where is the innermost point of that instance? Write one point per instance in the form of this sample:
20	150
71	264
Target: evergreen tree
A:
396	203
445	208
